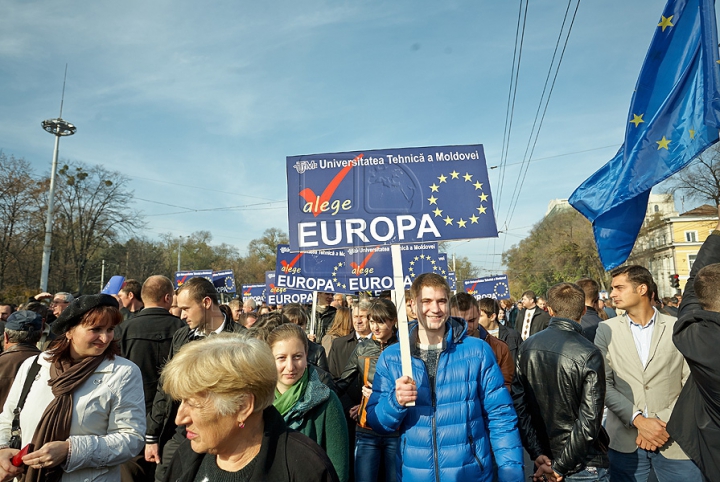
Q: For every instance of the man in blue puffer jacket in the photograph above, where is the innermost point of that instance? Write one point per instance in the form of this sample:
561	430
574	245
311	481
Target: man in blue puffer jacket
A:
463	415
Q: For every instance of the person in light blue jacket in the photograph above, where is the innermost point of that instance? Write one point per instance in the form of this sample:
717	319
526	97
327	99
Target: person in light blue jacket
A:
463	423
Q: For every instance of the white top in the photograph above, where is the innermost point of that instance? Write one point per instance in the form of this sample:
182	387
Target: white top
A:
108	417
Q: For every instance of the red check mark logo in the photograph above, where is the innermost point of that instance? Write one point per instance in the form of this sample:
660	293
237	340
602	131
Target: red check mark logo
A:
472	288
247	293
316	201
287	266
182	280
272	288
358	269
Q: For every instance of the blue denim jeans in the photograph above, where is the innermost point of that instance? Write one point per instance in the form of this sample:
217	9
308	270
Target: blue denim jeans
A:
373	452
589	474
636	466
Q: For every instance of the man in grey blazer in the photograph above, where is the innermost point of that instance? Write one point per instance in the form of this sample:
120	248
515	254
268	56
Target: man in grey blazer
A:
644	374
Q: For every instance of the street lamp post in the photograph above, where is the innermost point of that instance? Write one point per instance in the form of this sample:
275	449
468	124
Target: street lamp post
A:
59	128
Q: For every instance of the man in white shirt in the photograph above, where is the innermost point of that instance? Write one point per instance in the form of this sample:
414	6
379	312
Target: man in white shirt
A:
645	374
531	319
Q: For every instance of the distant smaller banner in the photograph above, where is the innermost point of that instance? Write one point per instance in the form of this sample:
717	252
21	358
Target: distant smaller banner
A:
182	276
255	292
496	287
277	295
421	258
224	281
308	270
452	280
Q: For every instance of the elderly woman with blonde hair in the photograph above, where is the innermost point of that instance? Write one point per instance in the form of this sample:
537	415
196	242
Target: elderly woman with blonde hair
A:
226	386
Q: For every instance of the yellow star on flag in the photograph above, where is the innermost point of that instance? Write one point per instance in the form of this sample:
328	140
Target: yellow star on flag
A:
437	212
442	178
482	209
665	22
434	187
422	256
454	174
478	185
467	177
416	258
663	144
483	197
474	219
692	131
637	119
433	200
462	223
448	220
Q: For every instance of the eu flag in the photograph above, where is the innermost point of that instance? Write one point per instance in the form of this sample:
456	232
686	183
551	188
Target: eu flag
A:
674	116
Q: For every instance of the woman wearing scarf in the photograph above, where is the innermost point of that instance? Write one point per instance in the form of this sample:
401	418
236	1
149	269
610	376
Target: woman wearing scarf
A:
85	412
306	404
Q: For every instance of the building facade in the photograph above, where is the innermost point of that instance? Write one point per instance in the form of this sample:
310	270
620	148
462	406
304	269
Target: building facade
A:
668	242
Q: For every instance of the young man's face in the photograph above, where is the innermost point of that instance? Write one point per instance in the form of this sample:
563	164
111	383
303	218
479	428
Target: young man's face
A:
192	312
487	322
528	303
431	307
470	316
624	294
125	298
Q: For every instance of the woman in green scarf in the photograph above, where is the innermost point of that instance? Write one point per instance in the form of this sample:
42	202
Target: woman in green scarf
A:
306	404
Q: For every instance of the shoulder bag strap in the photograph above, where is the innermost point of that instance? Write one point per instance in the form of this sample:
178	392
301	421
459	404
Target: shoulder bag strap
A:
32	373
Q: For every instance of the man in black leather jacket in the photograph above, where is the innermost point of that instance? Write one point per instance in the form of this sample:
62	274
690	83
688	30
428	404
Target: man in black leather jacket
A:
559	393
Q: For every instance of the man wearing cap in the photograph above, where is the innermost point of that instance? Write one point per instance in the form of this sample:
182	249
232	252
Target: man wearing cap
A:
22	332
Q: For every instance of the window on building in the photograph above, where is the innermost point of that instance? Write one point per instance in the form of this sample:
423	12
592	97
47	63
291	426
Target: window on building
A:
691	260
691	236
656	208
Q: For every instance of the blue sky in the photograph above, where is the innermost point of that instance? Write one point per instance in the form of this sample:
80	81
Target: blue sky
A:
199	103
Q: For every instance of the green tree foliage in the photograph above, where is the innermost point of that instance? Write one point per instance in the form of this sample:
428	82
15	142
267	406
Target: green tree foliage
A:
92	212
21	225
559	248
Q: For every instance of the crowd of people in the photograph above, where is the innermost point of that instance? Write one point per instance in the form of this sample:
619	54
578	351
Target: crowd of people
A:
162	384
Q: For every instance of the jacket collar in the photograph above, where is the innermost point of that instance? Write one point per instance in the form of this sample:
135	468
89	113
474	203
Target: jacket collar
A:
455	331
565	324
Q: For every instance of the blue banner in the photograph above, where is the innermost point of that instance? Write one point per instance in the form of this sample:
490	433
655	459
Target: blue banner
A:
421	258
355	269
277	295
391	196
224	281
255	292
674	116
365	269
496	287
182	276
452	280
308	270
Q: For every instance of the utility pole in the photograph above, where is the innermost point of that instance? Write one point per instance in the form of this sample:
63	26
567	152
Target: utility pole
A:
59	128
179	248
